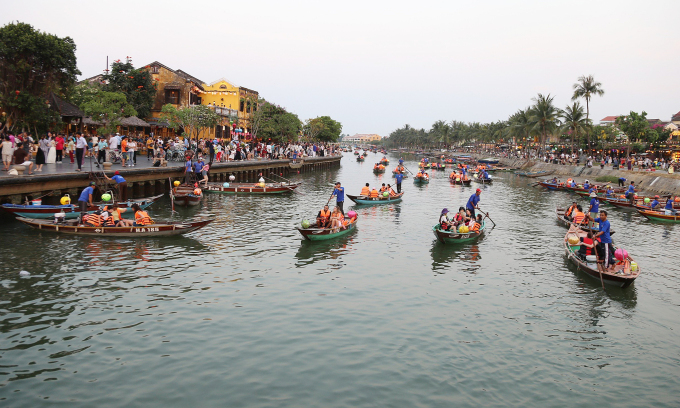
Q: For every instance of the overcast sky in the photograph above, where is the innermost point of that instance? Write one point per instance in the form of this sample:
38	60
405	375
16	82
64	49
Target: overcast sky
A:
377	65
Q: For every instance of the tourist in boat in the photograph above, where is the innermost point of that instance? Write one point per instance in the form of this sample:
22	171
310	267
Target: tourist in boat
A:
669	207
605	249
116	215
382	189
473	202
570	211
374	194
594	208
390	191
141	217
323	219
337	219
461	217
609	192
444	223
339	193
399	177
92	220
579	216
365	191
121	183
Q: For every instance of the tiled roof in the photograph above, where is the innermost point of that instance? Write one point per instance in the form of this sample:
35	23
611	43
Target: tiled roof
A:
676	116
64	108
608	119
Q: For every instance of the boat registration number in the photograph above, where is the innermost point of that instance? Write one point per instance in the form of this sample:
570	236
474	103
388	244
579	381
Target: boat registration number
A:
151	229
214	188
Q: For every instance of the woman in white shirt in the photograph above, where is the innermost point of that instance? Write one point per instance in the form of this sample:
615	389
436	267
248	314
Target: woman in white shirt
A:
132	152
7	152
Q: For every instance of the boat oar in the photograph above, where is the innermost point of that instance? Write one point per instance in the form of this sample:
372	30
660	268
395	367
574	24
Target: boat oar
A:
487	216
172	196
597	257
282	184
408	169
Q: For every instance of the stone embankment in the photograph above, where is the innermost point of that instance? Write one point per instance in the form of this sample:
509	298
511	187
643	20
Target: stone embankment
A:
656	182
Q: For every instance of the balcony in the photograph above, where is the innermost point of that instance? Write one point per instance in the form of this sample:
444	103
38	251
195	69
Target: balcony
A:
226	112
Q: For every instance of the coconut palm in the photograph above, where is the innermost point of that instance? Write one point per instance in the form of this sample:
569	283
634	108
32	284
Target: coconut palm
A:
544	117
518	124
586	88
574	122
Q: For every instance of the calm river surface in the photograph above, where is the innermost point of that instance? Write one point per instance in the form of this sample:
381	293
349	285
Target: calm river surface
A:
245	314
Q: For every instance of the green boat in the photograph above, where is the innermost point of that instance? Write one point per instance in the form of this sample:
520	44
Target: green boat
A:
363	200
453	237
421	180
321	234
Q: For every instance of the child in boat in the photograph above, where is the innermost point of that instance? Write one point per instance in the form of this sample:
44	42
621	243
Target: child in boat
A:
444	222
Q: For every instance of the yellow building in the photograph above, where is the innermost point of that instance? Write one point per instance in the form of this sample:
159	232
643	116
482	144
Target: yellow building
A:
223	96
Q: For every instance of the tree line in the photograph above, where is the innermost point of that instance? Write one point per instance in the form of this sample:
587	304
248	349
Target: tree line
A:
533	126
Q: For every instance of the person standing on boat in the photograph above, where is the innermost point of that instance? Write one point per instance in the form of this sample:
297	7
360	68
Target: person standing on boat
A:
339	192
605	249
594	207
188	170
473	202
399	177
85	199
121	183
669	207
630	193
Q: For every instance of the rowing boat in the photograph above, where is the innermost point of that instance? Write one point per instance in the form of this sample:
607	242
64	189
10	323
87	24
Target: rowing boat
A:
251	188
378	170
421	180
394	174
363	200
152	230
660	216
617	202
616	276
559	212
454	237
459	181
489	160
551	186
185	195
70	211
482	180
534	173
321	234
360	158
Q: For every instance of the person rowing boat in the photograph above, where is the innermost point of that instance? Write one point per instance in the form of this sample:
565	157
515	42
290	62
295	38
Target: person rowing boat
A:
473	202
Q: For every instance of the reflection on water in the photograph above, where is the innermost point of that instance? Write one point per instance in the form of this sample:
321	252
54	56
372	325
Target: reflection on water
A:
246	313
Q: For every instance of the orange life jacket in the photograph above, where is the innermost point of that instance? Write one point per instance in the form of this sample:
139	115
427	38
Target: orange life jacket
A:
92	220
578	217
142	218
108	222
374	193
365	191
475	227
383	189
325	214
569	210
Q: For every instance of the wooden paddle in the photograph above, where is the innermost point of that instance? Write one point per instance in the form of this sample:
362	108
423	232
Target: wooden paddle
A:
172	196
487	216
597	257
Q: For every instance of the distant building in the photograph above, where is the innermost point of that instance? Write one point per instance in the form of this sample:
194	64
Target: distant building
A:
608	120
362	138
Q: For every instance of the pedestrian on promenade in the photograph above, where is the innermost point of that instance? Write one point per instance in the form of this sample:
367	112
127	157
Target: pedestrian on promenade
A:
59	146
81	148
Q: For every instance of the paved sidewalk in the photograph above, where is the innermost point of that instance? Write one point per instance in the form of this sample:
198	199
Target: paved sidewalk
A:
66	167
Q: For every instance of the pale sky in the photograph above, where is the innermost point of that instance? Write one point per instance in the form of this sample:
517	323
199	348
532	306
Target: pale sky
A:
377	65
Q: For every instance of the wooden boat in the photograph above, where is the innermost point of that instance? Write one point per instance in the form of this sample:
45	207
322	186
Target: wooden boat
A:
421	180
489	160
454	237
617	202
559	212
356	153
153	230
252	188
660	216
459	181
360	158
70	211
619	276
184	195
384	162
533	174
551	186
482	180
296	165
363	200
378	170
321	234
438	167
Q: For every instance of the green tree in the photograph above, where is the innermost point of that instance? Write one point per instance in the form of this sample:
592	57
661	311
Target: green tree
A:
586	88
107	108
32	64
274	122
574	122
136	84
193	120
322	128
635	126
543	116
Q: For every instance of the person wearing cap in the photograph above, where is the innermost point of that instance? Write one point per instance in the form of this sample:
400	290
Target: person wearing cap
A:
121	183
473	203
85	199
339	193
594	207
444	222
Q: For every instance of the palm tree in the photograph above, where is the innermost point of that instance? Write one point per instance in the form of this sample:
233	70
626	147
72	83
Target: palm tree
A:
574	122
586	88
441	132
543	116
519	125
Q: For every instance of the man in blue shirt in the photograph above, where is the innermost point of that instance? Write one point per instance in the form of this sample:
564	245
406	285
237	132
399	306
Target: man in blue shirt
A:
473	202
622	181
188	170
339	192
669	207
85	198
605	250
198	166
594	208
121	183
654	203
630	193
586	185
399	177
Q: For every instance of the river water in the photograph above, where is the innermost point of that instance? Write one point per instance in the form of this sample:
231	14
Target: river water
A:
245	314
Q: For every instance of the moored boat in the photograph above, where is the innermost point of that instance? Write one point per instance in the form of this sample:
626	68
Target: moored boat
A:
363	200
489	160
533	174
251	188
152	230
551	186
186	195
661	216
454	237
70	211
